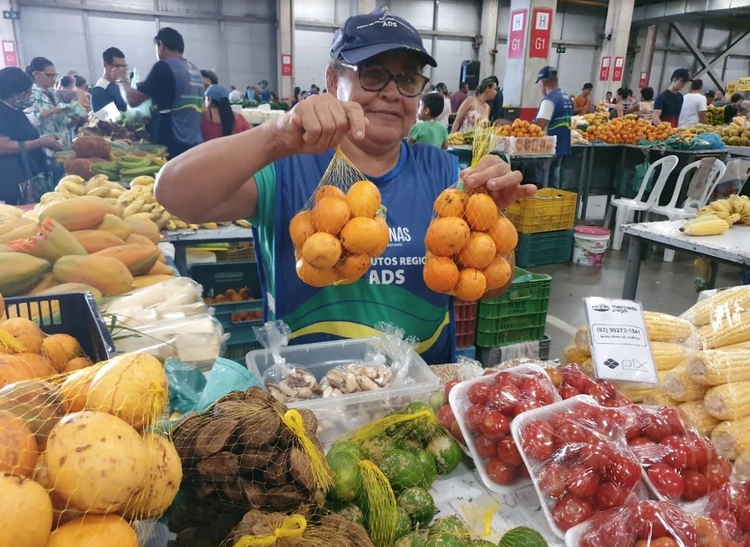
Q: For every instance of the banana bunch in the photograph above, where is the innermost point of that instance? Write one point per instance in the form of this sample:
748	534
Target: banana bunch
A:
129	168
735	209
705	225
456	139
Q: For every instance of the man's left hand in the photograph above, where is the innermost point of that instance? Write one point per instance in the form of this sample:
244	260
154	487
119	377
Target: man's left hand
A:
503	184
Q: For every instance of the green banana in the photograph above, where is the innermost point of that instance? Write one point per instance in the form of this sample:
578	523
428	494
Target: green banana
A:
134	164
141	171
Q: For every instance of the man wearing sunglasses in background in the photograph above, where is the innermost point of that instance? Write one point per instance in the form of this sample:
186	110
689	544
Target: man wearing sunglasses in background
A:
374	83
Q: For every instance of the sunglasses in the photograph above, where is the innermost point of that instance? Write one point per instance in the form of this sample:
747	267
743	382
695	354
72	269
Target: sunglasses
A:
376	78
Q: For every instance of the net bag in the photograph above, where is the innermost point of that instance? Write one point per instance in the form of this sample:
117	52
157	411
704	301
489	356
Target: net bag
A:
469	240
341	228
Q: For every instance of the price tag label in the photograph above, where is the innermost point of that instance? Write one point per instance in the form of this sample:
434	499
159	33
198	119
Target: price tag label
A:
619	344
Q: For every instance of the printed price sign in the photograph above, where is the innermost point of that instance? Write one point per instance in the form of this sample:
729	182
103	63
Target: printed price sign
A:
619	66
286	65
643	81
619	345
517	34
731	88
604	69
541	33
743	84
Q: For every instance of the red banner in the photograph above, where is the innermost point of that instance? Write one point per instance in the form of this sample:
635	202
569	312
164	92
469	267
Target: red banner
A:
286	65
619	67
643	81
541	33
10	56
604	69
517	34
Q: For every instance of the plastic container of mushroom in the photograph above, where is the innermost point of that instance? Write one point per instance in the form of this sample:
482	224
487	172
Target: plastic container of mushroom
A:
346	383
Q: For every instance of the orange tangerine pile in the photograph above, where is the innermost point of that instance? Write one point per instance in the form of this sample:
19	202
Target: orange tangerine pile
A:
335	239
520	128
465	246
628	131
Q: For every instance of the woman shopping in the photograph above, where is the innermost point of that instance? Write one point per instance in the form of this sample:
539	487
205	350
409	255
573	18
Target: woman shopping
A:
477	107
219	120
374	83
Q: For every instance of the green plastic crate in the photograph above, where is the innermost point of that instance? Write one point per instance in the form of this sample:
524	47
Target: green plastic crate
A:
519	315
544	248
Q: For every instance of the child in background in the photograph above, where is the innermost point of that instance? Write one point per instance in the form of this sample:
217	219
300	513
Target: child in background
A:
428	130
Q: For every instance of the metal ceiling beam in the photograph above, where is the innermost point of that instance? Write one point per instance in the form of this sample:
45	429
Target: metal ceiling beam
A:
695	50
725	54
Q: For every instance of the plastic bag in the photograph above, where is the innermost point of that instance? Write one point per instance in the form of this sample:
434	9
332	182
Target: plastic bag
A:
149	305
341	228
186	384
578	458
572	381
469	240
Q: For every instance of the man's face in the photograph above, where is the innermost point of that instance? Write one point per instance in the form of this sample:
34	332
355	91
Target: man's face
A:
586	92
206	83
118	68
609	95
263	85
678	84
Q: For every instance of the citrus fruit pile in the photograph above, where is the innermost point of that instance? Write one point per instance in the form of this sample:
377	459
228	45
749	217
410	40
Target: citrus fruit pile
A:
466	244
335	239
520	128
628	130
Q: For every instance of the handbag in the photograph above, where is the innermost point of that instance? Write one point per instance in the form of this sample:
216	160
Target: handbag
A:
36	184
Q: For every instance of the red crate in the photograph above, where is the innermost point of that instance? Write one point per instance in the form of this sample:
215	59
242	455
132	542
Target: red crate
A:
466	322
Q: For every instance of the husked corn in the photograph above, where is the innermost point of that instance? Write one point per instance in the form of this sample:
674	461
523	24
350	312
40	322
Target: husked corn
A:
741	345
668	355
726	331
696	417
719	366
732	438
728	401
742	467
582	340
573	354
659	397
662	327
681	387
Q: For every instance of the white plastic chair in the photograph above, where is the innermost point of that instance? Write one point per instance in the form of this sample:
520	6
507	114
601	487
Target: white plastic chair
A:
626	208
691	205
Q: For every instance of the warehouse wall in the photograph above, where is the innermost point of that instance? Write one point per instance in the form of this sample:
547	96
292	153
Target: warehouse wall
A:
242	53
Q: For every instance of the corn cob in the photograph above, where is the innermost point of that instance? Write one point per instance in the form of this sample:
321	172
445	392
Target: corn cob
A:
742	467
733	330
681	387
708	228
572	354
728	401
588	368
741	345
582	340
719	366
662	327
696	417
668	355
732	438
724	303
659	397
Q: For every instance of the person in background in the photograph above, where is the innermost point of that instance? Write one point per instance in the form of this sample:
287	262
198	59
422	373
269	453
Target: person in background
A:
429	130
209	78
43	110
82	95
733	108
608	97
719	99
297	95
645	107
175	86
583	104
106	90
710	96
476	107
314	90
497	112
668	104
235	95
744	109
304	95
694	105
264	94
445	115
554	116
15	128
219	120
459	96
65	93
621	106
250	93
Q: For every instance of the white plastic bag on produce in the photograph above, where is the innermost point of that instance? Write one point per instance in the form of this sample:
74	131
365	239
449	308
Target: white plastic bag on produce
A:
392	344
148	305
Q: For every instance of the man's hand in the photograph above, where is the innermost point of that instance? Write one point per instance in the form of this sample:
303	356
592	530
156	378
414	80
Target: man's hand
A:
503	184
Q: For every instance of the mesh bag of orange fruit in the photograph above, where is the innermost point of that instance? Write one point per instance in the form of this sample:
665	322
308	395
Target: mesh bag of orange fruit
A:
469	240
341	228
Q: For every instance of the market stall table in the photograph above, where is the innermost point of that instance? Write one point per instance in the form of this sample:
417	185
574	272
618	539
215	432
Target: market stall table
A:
181	239
731	247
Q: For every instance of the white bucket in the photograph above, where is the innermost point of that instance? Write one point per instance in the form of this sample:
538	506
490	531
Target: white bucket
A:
590	244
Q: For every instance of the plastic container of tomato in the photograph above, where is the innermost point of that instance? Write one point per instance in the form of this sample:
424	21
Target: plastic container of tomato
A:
579	460
494	453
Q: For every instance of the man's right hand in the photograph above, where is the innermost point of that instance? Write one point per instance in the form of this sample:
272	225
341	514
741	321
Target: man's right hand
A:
320	123
50	141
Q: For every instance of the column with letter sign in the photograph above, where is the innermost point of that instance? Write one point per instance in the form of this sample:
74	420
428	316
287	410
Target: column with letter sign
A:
286	65
517	34
619	67
604	69
10	56
541	33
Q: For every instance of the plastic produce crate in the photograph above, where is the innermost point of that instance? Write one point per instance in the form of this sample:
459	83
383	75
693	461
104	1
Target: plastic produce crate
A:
237	252
469	353
339	415
238	352
519	315
489	357
466	322
544	248
547	211
75	314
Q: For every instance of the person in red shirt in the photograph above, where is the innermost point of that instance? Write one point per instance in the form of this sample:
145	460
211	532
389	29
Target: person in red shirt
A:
219	120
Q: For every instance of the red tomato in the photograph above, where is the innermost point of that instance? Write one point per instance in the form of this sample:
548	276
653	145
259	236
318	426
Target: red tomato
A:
667	480
610	422
679	454
718	472
582	481
525	405
562	418
726	522
504	397
553	479
495	424
569	511
555	376
570	433
610	495
567	391
457	433
696	485
731	496
597	455
523	471
473	417
486	447
479	393
449	387
500	472
645	520
700	447
575	378
508	452
662	542
743	518
623	471
674	419
506	377
708	532
446	417
535	389
538	440
608	389
657	428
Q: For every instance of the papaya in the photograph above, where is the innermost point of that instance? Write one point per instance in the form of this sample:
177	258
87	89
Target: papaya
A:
73	287
148	280
47	281
24	231
20	272
139	259
115	225
105	273
144	227
94	240
6	248
80	213
160	269
138	239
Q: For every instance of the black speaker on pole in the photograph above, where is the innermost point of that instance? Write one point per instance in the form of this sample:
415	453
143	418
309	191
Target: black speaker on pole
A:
470	73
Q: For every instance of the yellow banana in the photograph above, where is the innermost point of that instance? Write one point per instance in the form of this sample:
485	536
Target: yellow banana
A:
133	208
733	219
710	228
721	205
243	223
209	225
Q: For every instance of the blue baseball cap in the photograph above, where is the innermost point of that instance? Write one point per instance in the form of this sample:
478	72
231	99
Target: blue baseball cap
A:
547	73
365	36
217	92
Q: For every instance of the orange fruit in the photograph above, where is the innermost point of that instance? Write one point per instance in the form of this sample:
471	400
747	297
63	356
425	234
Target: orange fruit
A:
301	227
450	203
446	236
498	273
331	214
314	276
363	199
321	250
383	237
329	191
479	251
471	285
360	235
504	234
481	212
351	268
440	274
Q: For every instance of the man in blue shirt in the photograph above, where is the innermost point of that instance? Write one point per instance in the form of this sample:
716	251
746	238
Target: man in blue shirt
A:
264	94
554	116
